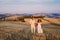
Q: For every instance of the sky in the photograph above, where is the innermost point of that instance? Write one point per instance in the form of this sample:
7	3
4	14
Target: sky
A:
29	6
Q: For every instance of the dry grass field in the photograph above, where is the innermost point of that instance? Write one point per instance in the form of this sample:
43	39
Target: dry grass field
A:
16	30
54	20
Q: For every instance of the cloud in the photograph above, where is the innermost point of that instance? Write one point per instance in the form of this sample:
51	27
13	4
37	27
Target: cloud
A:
27	6
23	1
5	0
30	9
39	0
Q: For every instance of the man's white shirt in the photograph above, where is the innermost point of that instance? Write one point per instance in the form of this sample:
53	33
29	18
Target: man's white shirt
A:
32	22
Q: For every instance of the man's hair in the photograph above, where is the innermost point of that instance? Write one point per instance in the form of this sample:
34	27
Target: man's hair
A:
32	16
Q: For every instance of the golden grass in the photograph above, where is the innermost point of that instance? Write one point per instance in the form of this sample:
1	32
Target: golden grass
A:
21	31
53	20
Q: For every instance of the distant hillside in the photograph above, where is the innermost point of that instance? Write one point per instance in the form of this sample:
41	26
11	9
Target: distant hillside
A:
49	15
2	16
54	15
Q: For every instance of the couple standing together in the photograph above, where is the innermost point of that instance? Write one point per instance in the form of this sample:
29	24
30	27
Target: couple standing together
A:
34	25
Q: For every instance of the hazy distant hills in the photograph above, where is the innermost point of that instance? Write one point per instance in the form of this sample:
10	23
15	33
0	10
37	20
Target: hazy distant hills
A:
2	16
54	15
50	15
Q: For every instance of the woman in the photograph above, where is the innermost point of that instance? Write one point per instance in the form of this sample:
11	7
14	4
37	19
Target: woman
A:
39	26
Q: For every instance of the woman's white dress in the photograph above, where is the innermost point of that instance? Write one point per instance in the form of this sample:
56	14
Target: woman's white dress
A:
39	28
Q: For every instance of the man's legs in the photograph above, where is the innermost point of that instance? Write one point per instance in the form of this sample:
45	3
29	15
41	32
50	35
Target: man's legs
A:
33	29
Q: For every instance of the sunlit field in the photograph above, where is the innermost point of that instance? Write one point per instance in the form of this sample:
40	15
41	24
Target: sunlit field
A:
16	30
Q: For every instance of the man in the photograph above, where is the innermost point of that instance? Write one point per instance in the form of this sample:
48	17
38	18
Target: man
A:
32	24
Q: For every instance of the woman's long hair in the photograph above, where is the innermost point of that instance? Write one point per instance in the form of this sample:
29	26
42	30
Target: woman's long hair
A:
39	20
